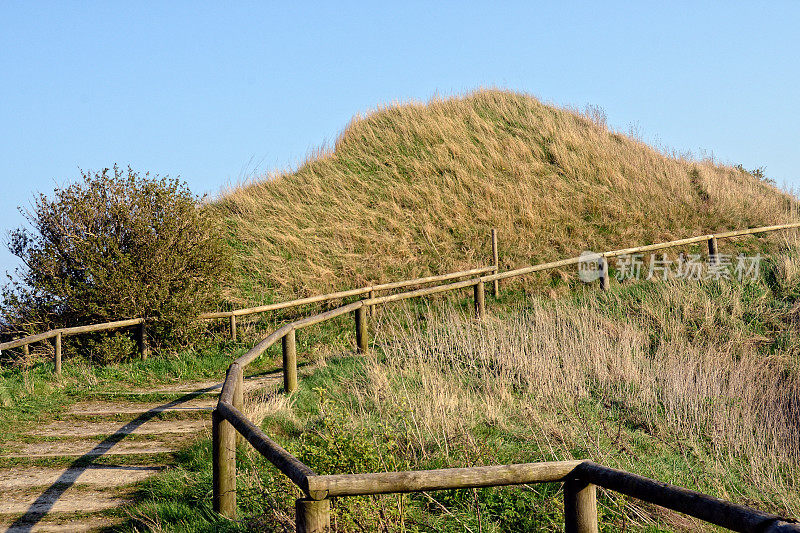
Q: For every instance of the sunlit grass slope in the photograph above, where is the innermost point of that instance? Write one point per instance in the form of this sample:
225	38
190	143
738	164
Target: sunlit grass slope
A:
413	189
690	383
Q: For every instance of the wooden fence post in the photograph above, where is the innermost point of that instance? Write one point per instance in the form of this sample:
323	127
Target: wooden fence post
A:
371	307
141	340
238	399
580	507
313	516
26	351
233	328
713	251
289	362
605	282
480	301
496	263
223	438
58	354
362	337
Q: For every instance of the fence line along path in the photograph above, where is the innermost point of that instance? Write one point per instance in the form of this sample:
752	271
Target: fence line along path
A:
141	332
494	278
580	478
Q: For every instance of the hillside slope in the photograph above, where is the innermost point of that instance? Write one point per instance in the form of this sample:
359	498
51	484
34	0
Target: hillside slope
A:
414	189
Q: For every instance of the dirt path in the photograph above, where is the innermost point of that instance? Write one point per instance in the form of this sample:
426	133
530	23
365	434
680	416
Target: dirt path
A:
74	474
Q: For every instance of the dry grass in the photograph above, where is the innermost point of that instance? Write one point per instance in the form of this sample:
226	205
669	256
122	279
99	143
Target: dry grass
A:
673	382
706	410
413	189
267	402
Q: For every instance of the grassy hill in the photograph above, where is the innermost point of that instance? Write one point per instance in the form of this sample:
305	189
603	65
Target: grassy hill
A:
413	189
694	383
676	380
691	383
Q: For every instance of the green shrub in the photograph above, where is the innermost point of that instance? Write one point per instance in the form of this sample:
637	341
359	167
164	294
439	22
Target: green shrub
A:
114	245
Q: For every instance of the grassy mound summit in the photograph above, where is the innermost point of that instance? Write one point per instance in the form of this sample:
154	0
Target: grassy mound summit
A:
413	189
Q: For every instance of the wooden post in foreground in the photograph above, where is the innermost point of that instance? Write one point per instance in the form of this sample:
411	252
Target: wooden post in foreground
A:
289	362
605	283
580	507
57	358
313	516
233	328
496	263
480	301
141	340
26	351
362	337
713	251
223	438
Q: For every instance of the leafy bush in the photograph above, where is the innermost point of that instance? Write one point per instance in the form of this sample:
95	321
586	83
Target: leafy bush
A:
115	245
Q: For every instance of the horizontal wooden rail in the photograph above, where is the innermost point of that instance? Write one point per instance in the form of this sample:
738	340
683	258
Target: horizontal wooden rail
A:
286	305
442	479
761	229
636	249
701	238
528	270
696	504
344	294
421	292
102	327
657	246
327	315
284	461
430	279
29	340
118	324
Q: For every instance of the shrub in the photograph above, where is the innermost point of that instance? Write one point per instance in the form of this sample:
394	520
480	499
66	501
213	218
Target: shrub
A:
115	245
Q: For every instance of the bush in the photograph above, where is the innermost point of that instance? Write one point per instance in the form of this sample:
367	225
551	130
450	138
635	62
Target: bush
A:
115	245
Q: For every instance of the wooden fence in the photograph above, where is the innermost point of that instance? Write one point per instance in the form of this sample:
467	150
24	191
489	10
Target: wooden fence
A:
58	334
493	278
141	335
580	478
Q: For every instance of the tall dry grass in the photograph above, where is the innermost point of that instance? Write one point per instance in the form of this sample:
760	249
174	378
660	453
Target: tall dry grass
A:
413	189
710	413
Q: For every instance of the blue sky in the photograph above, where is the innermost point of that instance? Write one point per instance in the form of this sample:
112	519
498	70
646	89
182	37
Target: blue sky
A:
214	93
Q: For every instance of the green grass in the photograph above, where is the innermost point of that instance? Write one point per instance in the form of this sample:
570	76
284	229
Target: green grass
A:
331	431
180	498
328	429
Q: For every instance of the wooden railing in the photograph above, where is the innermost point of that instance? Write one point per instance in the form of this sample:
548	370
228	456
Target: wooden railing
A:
580	478
371	290
141	336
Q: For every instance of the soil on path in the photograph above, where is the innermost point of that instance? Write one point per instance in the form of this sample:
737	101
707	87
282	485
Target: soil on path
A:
135	439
